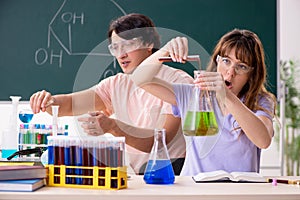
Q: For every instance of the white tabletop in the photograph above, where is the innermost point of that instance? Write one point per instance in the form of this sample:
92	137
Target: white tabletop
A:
183	188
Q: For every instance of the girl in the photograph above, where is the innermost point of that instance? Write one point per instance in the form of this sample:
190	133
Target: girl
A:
237	72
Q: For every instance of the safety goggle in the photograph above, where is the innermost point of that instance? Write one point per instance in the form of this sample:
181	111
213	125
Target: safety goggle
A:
239	68
125	46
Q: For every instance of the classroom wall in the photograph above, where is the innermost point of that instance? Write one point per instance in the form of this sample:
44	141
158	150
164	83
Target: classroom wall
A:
288	48
289	29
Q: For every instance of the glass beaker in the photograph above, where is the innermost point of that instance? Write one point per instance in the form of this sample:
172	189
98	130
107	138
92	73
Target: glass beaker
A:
159	169
200	119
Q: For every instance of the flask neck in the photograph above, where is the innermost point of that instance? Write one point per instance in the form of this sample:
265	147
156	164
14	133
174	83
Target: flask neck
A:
159	149
160	134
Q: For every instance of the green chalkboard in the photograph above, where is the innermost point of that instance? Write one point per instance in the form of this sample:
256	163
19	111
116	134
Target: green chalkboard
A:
61	45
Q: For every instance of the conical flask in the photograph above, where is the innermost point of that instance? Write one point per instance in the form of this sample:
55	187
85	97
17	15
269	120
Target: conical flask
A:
159	169
200	119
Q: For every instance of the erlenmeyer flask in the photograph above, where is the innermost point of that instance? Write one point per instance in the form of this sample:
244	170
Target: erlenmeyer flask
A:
26	115
200	119
159	169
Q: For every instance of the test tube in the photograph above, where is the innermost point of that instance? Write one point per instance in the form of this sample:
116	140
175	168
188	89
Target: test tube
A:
96	155
35	133
50	150
108	150
54	120
31	133
188	58
21	136
67	159
42	135
59	158
73	143
121	151
78	153
26	134
91	158
114	152
85	160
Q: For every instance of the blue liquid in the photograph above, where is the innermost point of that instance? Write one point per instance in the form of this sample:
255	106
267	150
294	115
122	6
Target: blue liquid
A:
50	155
79	162
159	172
8	152
25	118
67	163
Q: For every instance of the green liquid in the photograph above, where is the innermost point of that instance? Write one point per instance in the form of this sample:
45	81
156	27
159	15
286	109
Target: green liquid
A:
200	124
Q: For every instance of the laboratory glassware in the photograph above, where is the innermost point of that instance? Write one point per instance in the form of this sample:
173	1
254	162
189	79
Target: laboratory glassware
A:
159	169
200	119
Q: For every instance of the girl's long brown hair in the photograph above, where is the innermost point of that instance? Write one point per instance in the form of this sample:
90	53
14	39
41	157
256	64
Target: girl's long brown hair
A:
248	49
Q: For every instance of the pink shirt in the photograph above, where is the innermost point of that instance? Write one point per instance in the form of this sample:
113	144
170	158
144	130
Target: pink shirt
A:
134	106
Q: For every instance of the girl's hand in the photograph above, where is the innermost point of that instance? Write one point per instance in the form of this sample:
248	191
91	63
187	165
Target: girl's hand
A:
212	81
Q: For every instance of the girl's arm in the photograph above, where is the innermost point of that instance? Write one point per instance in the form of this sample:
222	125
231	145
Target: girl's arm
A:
259	129
144	75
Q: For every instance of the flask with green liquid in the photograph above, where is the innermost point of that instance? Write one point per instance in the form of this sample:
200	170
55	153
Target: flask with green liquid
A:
200	119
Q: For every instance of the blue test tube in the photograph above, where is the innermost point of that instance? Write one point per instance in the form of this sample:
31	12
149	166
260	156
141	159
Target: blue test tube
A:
51	150
90	158
78	153
67	160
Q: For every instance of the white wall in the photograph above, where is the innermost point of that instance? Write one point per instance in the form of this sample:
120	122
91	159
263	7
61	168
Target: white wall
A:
289	35
289	29
288	48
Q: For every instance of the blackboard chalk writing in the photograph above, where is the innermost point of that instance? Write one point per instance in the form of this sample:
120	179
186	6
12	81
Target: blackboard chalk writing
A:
67	17
41	57
32	29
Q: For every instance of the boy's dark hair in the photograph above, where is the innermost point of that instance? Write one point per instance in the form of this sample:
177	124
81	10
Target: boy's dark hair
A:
135	25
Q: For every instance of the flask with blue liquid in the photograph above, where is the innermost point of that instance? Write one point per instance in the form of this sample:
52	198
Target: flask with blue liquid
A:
159	169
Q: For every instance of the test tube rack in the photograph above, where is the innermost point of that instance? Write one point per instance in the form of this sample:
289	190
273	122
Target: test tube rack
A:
35	135
101	178
86	162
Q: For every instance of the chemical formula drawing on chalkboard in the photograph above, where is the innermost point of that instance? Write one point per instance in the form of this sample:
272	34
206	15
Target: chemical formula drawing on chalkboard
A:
61	45
68	18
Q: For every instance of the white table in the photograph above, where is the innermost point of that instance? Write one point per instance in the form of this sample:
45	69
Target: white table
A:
184	188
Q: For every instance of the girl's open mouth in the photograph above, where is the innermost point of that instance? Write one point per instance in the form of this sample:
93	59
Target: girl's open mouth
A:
227	83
